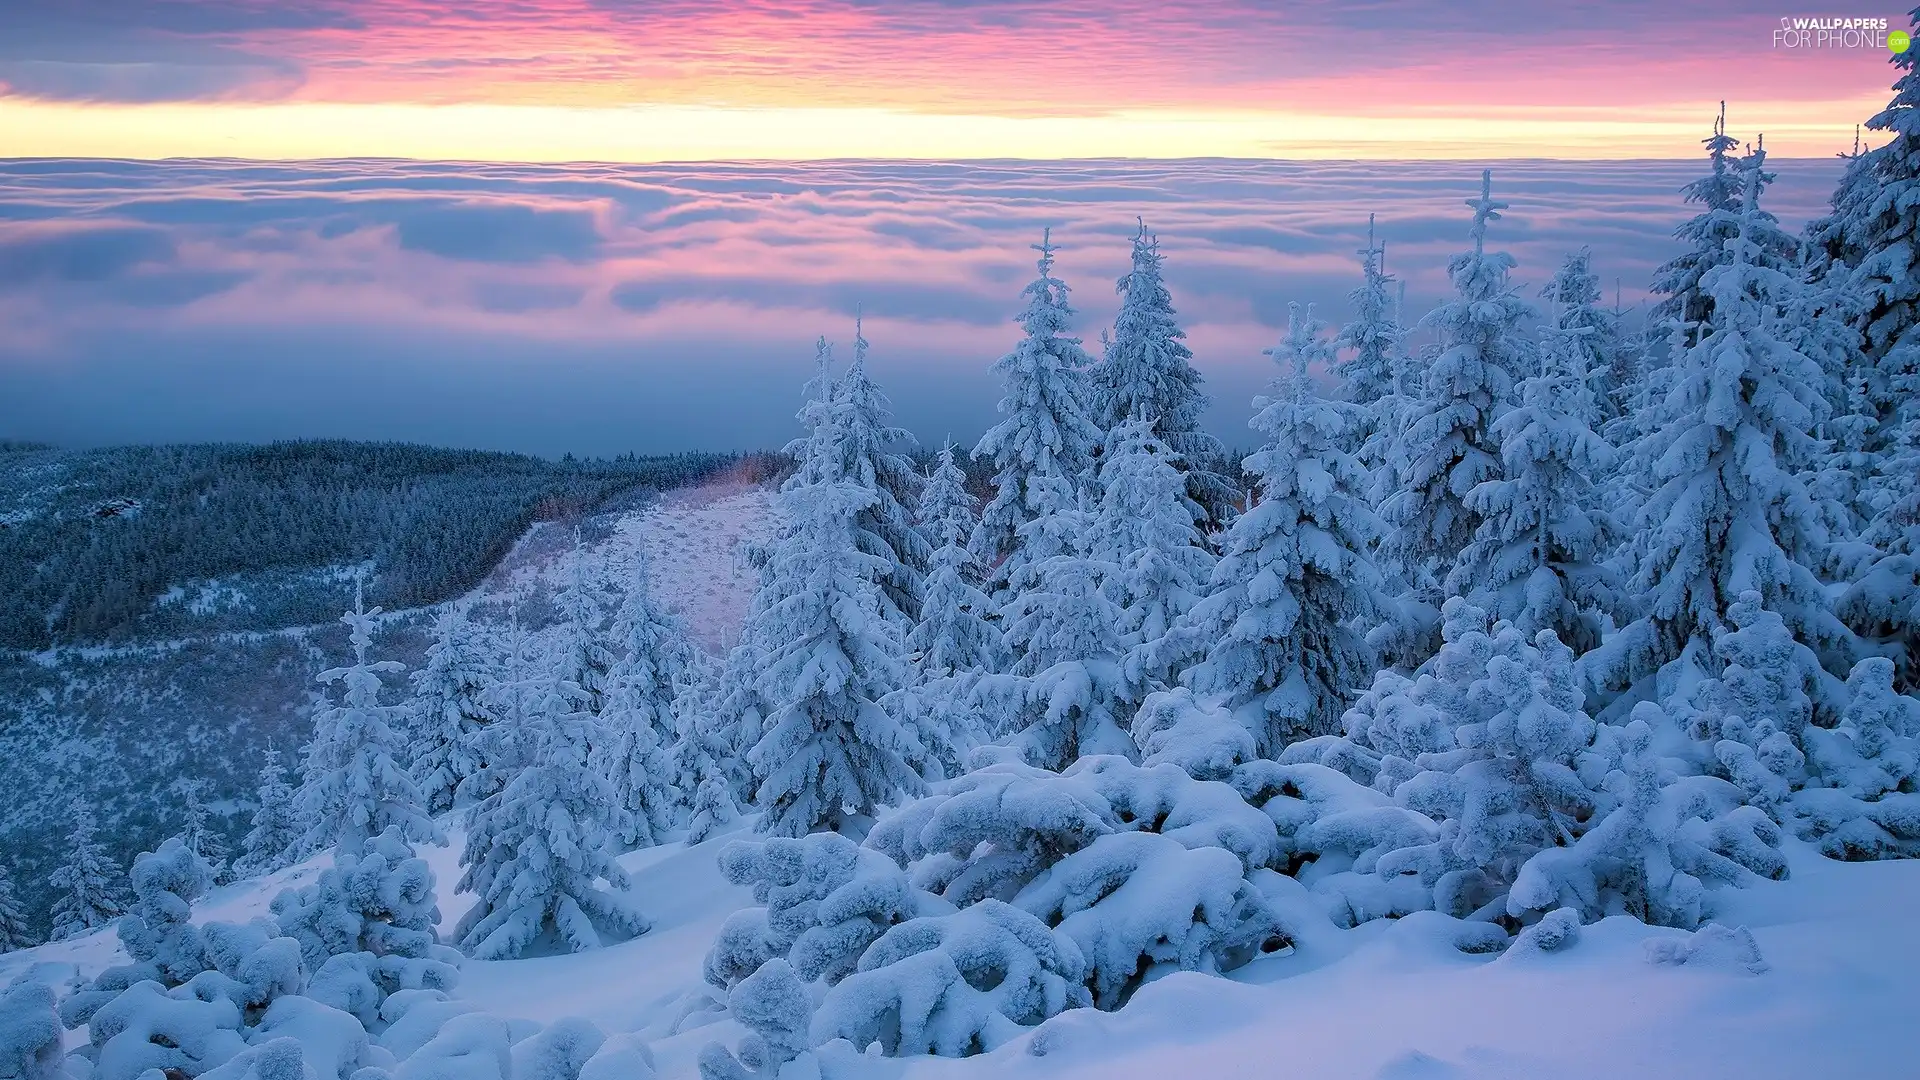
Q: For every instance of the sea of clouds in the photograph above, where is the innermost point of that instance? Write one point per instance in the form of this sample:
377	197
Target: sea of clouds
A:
604	308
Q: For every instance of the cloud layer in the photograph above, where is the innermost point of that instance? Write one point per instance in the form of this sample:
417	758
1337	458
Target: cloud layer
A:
600	309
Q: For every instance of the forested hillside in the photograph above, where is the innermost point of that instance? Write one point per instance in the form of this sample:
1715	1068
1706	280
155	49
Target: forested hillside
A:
148	542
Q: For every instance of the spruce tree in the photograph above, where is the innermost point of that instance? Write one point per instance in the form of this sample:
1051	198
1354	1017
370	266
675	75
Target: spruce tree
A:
1371	346
1153	558
1068	691
1877	222
1537	559
14	933
1573	295
200	840
585	660
954	634
353	787
1277	637
450	709
1732	512
515	690
1046	429
1146	373
1447	446
639	712
87	887
828	751
1681	281
276	831
537	849
871	455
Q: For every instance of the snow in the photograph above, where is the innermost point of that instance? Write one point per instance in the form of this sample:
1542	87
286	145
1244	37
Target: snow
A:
1841	949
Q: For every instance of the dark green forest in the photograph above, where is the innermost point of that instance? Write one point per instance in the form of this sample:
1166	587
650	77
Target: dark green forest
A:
153	542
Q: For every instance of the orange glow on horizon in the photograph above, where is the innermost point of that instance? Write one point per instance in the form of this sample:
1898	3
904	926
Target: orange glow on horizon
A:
544	133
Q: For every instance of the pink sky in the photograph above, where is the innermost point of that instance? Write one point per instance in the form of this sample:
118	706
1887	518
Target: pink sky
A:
653	80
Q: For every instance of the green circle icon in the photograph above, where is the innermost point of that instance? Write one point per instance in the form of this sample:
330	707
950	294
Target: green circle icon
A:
1899	40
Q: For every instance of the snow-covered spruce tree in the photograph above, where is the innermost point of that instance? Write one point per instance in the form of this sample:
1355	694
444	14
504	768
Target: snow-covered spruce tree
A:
1154	559
1875	231
514	692
538	849
734	717
158	932
353	787
584	658
1883	603
953	634
1849	788
1372	365
703	748
713	809
450	709
1723	215
1732	512
14	933
86	886
1372	341
198	836
1816	320
1447	445
829	751
1537	559
955	642
1573	295
1068	689
1277	635
639	712
1491	796
1146	373
1046	428
871	455
276	831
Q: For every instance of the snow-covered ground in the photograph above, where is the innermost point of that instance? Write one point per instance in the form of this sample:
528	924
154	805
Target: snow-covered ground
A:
691	540
1387	1001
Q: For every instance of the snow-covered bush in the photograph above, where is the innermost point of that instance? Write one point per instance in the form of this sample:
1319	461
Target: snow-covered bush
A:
1479	788
1202	738
778	1012
954	985
826	899
366	928
30	1032
1072	849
